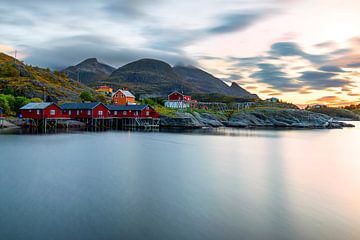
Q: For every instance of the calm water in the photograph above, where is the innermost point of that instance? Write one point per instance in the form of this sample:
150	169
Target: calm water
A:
225	184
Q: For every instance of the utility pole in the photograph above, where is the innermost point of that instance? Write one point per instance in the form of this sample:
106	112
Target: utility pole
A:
15	53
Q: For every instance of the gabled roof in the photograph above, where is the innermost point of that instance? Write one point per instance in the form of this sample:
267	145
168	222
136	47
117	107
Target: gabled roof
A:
125	92
177	93
127	107
76	106
36	106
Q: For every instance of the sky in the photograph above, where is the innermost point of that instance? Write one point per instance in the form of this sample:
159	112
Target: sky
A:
301	51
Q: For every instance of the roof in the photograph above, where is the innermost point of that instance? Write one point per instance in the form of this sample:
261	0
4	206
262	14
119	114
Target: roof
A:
75	106
127	107
125	92
177	93
36	106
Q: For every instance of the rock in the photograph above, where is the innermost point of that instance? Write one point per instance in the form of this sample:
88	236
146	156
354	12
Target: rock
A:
208	119
255	118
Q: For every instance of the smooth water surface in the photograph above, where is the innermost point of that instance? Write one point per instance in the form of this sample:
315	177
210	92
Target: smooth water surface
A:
217	184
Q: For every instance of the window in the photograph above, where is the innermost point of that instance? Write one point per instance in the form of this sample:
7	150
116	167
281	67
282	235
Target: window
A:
77	112
69	112
136	113
89	112
52	112
115	113
30	110
100	113
124	112
147	113
38	112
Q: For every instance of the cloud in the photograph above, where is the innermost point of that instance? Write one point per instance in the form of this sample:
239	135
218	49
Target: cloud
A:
72	50
354	65
286	49
322	80
327	99
275	77
235	22
128	8
329	68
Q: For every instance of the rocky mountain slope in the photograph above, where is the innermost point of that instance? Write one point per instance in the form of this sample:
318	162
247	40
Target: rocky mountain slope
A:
149	76
204	82
152	77
33	82
90	72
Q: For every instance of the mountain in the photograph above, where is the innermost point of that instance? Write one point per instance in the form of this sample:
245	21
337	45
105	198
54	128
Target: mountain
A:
156	78
204	82
31	81
149	77
90	72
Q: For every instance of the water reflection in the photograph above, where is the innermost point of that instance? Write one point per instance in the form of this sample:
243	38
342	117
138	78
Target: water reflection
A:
218	184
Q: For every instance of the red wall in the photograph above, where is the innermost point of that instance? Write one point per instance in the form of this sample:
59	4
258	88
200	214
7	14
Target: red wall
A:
84	113
132	114
45	113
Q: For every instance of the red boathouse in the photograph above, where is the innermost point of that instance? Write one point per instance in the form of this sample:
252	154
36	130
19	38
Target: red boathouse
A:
132	111
89	110
45	110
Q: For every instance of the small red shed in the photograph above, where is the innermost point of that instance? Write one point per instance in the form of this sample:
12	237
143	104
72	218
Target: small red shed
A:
85	110
132	111
178	96
41	111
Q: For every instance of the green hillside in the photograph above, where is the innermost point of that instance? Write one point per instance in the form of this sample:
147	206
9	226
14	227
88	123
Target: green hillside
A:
33	82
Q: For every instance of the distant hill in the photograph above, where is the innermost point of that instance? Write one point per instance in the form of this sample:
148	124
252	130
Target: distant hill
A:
149	76
204	82
90	72
156	78
31	81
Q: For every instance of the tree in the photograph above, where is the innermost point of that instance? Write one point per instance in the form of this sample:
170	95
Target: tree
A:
86	97
4	104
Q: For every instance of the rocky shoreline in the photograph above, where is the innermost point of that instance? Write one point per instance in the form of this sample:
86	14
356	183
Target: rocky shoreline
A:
254	118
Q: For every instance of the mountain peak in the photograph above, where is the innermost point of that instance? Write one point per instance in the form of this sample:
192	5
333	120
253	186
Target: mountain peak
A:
89	71
90	60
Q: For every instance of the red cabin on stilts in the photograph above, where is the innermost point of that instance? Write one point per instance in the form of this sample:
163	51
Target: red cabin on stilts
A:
85	110
37	111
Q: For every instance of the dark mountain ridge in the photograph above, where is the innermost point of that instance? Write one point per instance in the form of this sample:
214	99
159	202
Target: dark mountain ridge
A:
151	77
90	72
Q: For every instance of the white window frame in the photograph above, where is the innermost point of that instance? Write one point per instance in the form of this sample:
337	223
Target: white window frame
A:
52	112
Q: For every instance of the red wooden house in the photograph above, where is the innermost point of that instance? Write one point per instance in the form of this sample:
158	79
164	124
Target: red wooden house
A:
1	112
178	96
179	100
132	111
85	110
44	110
